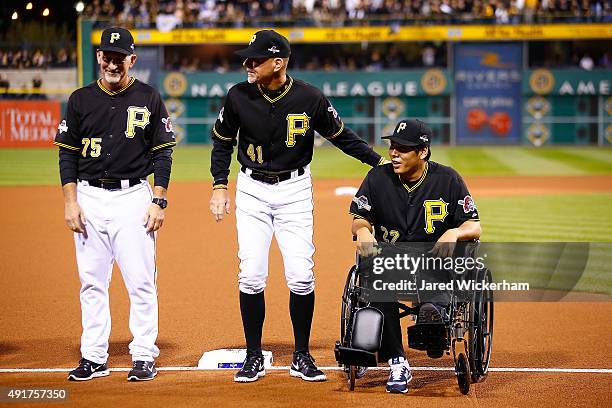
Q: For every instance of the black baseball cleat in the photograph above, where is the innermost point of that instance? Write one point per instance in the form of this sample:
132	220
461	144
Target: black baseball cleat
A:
142	371
303	366
252	368
88	370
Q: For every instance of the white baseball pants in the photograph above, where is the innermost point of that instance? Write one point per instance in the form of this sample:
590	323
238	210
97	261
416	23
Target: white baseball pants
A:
115	231
284	210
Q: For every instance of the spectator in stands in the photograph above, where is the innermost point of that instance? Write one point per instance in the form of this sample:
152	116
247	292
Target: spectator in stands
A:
4	86
168	19
375	63
38	59
488	11
62	59
394	59
238	13
222	65
36	88
233	15
586	62
208	14
428	56
501	12
108	9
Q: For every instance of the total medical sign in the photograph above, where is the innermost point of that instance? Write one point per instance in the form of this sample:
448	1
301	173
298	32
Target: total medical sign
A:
28	123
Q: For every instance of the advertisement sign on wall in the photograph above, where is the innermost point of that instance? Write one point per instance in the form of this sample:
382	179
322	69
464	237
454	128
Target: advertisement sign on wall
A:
488	93
28	123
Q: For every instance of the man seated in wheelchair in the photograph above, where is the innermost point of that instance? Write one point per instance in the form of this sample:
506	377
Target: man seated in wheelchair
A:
411	199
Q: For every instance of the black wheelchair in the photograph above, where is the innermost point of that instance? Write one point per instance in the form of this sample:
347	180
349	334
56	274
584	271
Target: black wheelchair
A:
466	333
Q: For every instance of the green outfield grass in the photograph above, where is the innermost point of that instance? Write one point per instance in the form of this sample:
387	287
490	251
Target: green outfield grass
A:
192	163
563	217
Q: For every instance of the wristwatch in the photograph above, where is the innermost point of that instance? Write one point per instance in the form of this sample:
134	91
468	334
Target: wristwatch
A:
162	202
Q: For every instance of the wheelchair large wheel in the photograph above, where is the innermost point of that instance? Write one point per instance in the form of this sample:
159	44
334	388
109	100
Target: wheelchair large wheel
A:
349	304
481	331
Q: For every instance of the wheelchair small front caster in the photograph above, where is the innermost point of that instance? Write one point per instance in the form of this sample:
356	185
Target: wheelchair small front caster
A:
462	370
352	375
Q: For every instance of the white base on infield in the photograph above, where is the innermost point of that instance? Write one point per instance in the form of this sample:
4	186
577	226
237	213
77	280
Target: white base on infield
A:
229	358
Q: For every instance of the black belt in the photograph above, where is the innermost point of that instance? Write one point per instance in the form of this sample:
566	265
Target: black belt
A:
112	184
272	178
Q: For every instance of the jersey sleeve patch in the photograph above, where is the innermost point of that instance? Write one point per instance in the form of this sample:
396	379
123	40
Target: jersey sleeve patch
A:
362	203
468	204
167	124
62	127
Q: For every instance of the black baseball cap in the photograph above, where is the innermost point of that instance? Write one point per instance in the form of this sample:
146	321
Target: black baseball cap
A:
411	132
266	43
117	39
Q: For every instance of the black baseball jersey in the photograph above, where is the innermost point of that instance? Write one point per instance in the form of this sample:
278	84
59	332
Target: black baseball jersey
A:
437	202
276	133
115	132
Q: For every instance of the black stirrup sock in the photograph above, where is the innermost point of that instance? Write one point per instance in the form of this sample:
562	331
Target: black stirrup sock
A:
253	311
301	308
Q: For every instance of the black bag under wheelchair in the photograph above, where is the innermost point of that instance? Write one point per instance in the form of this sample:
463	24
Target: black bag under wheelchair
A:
465	332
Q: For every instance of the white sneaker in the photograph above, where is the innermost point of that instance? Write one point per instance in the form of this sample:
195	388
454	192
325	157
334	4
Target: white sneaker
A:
399	376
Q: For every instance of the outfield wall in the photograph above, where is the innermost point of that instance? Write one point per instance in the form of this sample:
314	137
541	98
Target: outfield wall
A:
474	104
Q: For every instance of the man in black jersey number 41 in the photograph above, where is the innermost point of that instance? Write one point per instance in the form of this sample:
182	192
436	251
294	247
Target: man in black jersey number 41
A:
411	199
273	118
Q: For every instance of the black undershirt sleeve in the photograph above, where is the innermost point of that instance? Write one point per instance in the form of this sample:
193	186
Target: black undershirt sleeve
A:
162	166
221	158
68	165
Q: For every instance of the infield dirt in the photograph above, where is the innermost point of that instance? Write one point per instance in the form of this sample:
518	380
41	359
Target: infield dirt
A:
198	296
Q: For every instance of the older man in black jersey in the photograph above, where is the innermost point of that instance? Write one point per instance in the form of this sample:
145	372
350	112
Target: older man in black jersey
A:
115	133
